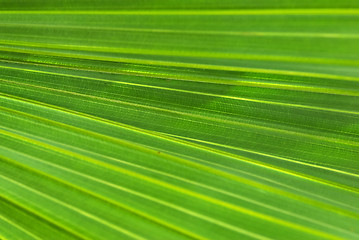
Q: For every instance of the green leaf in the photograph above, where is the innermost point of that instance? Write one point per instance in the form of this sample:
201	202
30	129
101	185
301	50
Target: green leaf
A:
179	119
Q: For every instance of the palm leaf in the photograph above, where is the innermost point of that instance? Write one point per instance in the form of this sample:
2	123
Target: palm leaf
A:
179	119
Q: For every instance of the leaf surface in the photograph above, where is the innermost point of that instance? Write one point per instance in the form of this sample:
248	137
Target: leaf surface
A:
179	120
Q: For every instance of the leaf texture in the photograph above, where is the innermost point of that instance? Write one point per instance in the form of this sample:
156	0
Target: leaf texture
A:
179	119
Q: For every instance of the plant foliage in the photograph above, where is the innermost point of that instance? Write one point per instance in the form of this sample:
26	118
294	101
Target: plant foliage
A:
169	120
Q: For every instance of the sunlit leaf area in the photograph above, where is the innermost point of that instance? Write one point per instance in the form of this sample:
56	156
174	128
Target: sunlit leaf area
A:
171	120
